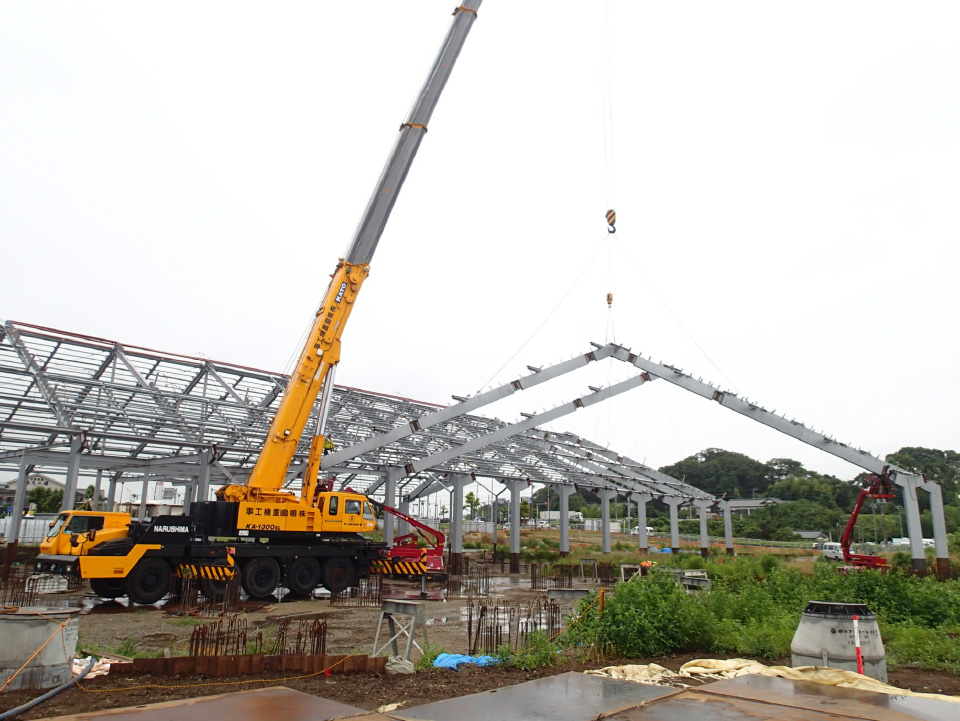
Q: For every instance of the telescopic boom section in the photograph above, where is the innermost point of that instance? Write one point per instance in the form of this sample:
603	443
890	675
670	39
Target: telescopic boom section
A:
321	353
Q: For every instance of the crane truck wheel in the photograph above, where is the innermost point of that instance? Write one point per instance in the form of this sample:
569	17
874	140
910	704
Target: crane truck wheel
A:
260	577
304	575
149	581
214	591
337	574
107	587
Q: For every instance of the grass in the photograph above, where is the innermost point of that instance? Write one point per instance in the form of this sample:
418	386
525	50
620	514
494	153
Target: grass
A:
429	655
754	608
127	647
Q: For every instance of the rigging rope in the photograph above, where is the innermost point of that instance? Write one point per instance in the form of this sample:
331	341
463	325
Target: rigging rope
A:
608	162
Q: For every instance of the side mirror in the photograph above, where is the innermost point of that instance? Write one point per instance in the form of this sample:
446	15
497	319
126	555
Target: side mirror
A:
74	540
92	534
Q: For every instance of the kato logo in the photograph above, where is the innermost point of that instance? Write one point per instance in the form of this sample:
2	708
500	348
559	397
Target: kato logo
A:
171	529
343	289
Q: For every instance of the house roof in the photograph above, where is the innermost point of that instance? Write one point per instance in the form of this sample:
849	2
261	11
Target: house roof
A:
754	502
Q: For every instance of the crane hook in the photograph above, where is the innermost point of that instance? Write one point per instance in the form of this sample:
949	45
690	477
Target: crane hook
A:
611	221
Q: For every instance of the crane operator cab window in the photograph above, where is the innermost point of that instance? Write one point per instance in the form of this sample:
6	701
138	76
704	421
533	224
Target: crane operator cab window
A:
368	513
76	524
334	506
352	508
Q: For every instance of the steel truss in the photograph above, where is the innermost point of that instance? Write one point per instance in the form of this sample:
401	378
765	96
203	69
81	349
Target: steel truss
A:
95	406
136	413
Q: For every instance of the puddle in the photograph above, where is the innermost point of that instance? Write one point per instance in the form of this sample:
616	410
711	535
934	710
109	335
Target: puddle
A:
97	606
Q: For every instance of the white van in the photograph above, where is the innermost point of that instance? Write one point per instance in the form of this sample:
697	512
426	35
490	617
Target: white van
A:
832	551
635	531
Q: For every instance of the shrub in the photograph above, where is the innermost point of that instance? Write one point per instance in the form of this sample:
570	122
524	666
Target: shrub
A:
538	652
429	655
648	616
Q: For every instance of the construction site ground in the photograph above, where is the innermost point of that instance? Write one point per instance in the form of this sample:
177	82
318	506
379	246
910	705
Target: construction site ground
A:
106	627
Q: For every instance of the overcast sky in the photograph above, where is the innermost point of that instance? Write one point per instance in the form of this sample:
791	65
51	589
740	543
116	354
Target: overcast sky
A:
184	176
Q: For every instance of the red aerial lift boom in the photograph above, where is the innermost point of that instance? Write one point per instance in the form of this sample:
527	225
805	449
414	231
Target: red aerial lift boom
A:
405	557
876	486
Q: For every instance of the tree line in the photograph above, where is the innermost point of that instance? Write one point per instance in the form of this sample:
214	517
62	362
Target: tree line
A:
814	501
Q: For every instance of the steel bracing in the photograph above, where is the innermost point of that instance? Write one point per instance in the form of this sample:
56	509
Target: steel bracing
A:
133	412
94	406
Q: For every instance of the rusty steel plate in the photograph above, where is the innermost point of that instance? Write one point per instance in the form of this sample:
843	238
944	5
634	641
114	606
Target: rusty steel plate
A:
569	696
259	704
849	702
697	706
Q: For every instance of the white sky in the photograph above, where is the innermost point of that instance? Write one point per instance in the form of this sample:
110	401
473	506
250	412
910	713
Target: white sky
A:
184	176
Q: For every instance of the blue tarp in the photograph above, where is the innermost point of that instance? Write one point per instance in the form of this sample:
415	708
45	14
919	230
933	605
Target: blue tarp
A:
452	660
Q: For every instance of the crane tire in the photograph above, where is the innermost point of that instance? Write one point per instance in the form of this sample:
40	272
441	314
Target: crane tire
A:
337	574
215	591
107	587
303	575
149	581
260	577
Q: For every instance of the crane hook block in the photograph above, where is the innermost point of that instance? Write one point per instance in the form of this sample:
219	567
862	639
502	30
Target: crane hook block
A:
611	221
609	300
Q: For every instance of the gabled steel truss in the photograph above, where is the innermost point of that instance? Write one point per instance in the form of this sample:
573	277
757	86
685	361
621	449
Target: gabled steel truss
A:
140	413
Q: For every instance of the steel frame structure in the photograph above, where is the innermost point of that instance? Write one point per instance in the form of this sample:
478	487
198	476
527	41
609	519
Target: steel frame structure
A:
135	413
95	406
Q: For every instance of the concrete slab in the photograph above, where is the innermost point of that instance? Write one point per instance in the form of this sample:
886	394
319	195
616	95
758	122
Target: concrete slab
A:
849	702
568	696
255	705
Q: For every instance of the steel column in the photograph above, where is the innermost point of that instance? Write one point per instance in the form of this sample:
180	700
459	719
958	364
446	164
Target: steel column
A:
112	493
642	499
727	526
515	488
97	503
191	493
73	473
203	478
19	502
910	484
674	502
143	497
393	475
702	506
458	482
564	492
605	494
939	529
402	526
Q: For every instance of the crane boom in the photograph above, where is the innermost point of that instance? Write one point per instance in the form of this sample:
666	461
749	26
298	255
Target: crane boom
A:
315	369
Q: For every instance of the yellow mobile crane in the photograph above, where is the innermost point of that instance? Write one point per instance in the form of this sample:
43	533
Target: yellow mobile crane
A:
274	535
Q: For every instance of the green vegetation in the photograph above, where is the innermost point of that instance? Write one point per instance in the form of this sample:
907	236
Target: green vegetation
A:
429	655
813	501
46	500
754	608
538	652
128	647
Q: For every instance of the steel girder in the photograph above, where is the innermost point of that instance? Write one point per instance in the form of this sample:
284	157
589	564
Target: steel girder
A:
137	405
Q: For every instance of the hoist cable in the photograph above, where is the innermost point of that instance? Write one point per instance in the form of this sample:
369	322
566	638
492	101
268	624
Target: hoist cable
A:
585	268
608	161
677	320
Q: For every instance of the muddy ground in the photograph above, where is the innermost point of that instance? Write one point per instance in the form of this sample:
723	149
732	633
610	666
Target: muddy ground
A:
115	627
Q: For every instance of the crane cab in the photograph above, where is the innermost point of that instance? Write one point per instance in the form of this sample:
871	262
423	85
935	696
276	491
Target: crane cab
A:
345	513
72	532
